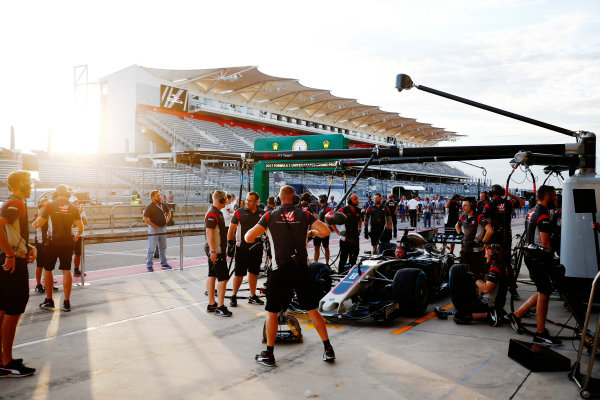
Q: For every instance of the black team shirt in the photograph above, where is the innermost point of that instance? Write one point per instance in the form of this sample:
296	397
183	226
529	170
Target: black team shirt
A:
353	217
246	220
473	229
538	220
377	217
62	214
214	220
499	212
14	209
287	228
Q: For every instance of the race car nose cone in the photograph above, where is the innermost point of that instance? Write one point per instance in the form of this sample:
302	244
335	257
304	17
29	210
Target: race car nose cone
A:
335	218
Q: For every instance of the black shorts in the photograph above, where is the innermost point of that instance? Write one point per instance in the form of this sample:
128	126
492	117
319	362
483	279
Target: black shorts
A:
281	284
54	252
317	241
540	274
248	260
39	260
218	269
14	288
77	247
375	236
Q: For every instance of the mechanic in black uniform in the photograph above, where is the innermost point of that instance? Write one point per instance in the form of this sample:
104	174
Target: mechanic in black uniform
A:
487	302
270	204
499	212
14	277
483	200
322	210
248	257
477	230
216	247
59	244
540	263
350	238
379	215
453	205
392	205
287	228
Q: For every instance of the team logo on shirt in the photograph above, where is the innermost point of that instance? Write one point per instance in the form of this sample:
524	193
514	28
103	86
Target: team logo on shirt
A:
63	208
288	216
501	207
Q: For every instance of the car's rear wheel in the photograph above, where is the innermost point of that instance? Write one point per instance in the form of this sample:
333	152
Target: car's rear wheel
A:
410	290
462	286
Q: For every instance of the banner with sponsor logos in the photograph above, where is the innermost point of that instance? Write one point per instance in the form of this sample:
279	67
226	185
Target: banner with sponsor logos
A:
173	98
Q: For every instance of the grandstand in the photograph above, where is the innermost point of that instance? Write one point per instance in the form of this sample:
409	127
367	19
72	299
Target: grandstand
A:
149	116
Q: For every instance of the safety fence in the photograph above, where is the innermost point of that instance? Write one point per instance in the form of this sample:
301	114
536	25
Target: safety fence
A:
130	216
88	239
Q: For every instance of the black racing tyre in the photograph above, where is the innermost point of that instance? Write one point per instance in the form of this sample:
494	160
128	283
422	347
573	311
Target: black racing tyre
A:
322	274
462	286
410	290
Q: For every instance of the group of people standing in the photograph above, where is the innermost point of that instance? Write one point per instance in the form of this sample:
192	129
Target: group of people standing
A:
287	228
59	228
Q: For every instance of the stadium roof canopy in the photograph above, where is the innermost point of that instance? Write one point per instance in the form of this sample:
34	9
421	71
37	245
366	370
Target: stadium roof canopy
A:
247	86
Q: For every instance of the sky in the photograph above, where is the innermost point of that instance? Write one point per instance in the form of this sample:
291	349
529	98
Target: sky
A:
536	58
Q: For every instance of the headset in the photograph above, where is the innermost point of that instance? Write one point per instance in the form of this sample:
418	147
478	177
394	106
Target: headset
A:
496	251
222	199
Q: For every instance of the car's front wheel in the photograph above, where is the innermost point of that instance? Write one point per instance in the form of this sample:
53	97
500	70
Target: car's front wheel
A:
411	291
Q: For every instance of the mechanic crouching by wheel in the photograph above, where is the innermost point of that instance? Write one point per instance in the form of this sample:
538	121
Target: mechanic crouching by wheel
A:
482	299
287	229
380	218
350	239
477	231
541	265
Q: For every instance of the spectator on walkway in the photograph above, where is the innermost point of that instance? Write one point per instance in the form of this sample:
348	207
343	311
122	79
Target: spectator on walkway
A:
156	215
413	208
427	210
332	203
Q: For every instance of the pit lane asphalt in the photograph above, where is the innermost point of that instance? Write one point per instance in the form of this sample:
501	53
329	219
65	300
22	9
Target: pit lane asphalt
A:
148	336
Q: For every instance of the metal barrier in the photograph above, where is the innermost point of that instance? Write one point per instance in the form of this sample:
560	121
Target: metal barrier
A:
112	215
182	212
146	235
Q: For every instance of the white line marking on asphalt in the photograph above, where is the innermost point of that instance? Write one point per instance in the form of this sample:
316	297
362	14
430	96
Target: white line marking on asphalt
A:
93	328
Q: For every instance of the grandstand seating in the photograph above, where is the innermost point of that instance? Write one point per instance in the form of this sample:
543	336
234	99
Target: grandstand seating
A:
227	137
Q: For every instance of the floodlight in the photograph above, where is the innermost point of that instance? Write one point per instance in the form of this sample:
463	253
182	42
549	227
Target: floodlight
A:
403	81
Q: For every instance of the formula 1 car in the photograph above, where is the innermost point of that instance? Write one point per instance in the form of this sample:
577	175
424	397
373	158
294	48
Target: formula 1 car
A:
383	287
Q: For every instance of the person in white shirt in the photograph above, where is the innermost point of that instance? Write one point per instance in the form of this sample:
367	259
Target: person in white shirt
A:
413	206
228	210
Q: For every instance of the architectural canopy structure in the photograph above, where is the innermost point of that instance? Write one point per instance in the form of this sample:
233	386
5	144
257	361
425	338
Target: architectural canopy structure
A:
247	86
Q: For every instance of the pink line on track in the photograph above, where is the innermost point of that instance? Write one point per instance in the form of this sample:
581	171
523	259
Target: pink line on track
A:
118	272
129	270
